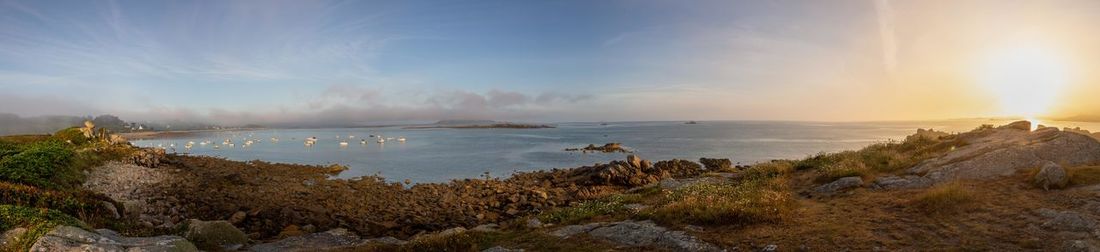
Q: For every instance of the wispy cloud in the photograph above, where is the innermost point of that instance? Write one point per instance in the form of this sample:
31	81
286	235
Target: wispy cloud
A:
886	32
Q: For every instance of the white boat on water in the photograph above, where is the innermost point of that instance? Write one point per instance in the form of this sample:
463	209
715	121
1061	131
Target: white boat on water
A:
402	139
343	144
381	140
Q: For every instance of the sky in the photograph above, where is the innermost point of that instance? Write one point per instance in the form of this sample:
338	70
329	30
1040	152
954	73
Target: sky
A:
376	62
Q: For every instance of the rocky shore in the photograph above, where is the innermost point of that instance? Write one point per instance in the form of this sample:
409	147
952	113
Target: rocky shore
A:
994	188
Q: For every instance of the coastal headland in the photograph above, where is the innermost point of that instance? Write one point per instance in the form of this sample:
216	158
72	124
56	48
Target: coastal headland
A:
1006	188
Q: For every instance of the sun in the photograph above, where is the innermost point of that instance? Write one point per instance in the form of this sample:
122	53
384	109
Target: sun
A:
1027	80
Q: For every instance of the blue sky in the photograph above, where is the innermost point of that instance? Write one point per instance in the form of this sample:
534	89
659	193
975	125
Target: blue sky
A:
386	61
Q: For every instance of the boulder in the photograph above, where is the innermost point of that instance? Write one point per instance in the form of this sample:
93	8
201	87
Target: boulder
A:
215	235
840	185
1067	221
634	161
332	239
678	168
572	230
1050	176
716	164
648	234
237	217
891	182
9	238
66	238
1018	125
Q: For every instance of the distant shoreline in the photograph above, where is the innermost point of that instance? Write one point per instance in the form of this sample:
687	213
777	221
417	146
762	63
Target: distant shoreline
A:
174	133
487	126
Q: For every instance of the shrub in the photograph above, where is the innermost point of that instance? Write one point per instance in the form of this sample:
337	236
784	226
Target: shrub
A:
80	203
885	159
768	170
8	149
943	199
36	221
70	135
1088	175
38	164
850	166
812	163
751	201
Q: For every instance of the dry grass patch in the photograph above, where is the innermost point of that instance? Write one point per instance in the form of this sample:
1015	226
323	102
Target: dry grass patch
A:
1088	175
747	202
943	199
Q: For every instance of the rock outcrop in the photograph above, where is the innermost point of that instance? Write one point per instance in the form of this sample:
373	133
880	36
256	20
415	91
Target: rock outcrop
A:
332	239
638	234
716	164
990	153
838	186
66	238
215	235
606	148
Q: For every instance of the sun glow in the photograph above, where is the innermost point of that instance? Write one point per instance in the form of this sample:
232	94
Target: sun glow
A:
1026	80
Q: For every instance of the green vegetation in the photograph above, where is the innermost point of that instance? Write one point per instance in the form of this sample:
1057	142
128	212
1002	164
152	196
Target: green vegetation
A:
748	202
36	221
589	209
878	158
768	170
1088	175
70	135
947	198
40	164
39	183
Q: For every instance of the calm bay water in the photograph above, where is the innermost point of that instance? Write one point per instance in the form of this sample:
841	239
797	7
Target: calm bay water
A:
439	155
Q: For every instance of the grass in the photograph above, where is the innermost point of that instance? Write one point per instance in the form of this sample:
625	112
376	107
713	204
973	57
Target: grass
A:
479	241
888	157
36	221
848	167
948	198
768	170
758	200
1087	175
83	204
587	210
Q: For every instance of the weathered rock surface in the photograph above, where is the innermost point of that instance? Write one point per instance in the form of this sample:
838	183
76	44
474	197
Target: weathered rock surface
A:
1079	246
1003	151
1067	221
10	237
902	182
716	164
214	235
638	234
1051	176
838	186
572	230
147	157
66	238
501	249
332	239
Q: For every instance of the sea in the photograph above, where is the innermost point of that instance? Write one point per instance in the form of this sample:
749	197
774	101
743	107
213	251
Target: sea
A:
444	154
